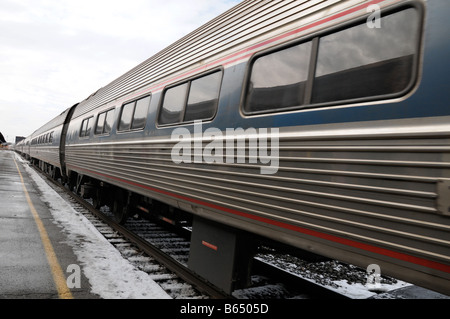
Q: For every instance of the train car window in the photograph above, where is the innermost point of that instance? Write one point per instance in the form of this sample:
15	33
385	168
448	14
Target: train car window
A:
100	123
173	105
140	113
196	99
83	128
89	126
361	62
126	117
109	121
203	97
134	115
86	127
348	64
278	80
105	122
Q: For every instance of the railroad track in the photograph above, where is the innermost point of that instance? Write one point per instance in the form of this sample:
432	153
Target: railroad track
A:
163	254
145	260
174	277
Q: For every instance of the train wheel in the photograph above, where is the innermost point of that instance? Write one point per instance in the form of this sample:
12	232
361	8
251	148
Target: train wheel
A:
97	199
72	181
120	210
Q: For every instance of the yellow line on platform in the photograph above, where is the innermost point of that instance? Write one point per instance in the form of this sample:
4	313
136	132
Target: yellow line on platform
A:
57	273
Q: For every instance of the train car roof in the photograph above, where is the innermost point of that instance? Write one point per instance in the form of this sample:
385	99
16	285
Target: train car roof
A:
59	120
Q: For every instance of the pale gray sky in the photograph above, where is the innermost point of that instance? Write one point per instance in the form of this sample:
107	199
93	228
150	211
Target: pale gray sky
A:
55	53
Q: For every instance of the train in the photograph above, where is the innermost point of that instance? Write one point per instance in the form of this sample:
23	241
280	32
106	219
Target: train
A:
320	125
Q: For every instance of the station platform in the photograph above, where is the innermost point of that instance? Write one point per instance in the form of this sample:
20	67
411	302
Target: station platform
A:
39	257
27	237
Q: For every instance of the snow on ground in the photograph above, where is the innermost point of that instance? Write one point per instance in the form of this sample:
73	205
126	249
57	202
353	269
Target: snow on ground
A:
345	279
110	275
360	291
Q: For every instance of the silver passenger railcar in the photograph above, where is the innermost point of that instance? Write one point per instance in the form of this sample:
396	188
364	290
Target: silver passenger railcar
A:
45	147
320	124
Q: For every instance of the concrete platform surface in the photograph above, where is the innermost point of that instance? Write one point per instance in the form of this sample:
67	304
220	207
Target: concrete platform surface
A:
25	271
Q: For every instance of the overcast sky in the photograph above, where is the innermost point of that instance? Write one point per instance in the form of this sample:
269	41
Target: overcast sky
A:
55	53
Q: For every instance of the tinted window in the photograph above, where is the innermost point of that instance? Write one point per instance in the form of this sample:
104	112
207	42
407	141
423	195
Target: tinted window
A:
196	99
86	127
140	113
89	126
203	97
278	80
109	121
104	122
126	117
100	123
134	115
83	128
360	61
173	105
355	63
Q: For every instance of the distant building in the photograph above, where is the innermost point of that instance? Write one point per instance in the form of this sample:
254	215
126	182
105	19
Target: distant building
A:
19	138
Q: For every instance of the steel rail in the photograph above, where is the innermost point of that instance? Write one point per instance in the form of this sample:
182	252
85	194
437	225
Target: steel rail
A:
184	273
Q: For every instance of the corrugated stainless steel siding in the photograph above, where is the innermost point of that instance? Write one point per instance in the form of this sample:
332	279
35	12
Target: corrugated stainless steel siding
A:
47	154
377	190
